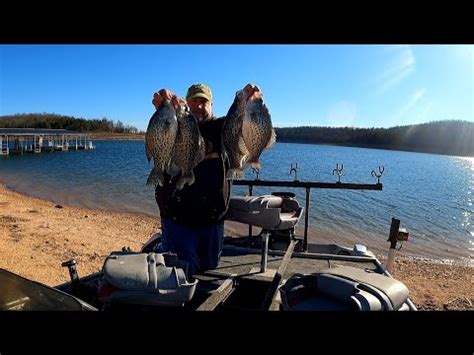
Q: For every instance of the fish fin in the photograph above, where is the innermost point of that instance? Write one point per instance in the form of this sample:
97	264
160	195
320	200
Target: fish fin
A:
272	140
242	147
242	161
254	163
201	151
147	152
185	179
155	178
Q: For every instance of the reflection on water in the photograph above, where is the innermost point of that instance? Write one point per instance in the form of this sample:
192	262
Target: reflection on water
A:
432	195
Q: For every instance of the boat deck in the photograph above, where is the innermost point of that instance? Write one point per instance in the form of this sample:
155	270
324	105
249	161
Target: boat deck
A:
244	263
238	282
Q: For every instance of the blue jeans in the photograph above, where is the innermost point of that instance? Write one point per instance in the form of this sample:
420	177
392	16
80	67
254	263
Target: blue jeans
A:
201	247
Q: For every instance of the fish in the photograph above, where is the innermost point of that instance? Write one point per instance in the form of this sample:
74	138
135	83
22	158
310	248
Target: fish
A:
257	129
160	140
247	131
189	149
232	140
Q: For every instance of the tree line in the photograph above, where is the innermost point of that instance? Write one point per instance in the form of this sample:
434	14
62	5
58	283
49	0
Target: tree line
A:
452	137
55	121
442	137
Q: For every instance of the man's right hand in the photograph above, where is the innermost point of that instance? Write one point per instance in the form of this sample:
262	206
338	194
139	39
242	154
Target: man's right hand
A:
162	95
252	90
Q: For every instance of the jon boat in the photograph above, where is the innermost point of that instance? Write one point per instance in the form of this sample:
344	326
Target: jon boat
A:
274	270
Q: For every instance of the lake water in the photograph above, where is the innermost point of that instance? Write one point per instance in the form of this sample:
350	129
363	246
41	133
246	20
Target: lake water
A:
432	195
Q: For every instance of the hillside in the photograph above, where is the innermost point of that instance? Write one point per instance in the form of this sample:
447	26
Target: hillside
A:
441	137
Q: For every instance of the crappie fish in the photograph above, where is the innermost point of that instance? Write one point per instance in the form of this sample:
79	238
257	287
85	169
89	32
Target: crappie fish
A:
160	139
257	130
189	149
232	140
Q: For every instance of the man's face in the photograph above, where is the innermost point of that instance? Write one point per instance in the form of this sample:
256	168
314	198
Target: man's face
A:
201	108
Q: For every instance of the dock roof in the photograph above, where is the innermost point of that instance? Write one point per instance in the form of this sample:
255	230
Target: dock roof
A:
31	131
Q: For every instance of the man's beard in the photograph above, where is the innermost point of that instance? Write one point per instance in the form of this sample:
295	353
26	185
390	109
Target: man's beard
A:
201	116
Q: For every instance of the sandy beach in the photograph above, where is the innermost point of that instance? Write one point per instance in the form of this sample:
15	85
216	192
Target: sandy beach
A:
36	236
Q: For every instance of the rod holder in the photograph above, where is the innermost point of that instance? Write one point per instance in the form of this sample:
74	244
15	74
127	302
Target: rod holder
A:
379	175
71	265
257	173
339	172
294	170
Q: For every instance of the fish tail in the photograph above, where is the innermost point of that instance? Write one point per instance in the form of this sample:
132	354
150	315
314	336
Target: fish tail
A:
185	179
236	161
234	173
155	178
253	162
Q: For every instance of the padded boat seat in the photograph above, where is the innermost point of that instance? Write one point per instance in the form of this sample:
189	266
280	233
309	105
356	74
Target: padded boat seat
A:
145	279
344	288
266	211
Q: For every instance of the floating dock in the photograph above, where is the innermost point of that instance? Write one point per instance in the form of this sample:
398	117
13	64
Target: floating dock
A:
32	140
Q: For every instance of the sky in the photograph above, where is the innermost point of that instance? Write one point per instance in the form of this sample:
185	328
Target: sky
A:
303	85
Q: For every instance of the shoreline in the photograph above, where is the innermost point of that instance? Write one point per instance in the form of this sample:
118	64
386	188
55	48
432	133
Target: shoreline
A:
117	136
37	235
377	245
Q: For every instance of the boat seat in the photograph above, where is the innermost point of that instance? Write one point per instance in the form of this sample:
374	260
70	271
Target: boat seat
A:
267	211
145	279
344	288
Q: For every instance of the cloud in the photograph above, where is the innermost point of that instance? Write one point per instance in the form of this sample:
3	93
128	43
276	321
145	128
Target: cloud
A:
400	67
417	95
413	101
341	114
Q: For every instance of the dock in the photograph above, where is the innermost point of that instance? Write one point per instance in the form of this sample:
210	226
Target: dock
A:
33	140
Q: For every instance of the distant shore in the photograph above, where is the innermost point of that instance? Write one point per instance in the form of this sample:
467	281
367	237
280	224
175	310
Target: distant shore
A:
117	136
141	136
36	236
376	146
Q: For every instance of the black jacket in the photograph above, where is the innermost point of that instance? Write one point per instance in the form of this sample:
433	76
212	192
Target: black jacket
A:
205	202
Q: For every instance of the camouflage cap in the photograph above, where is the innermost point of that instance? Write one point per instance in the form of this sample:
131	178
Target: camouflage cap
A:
199	90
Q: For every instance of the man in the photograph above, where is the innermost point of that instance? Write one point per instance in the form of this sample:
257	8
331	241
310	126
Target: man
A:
192	219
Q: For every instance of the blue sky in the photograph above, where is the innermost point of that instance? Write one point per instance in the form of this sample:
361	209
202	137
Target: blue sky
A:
317	85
